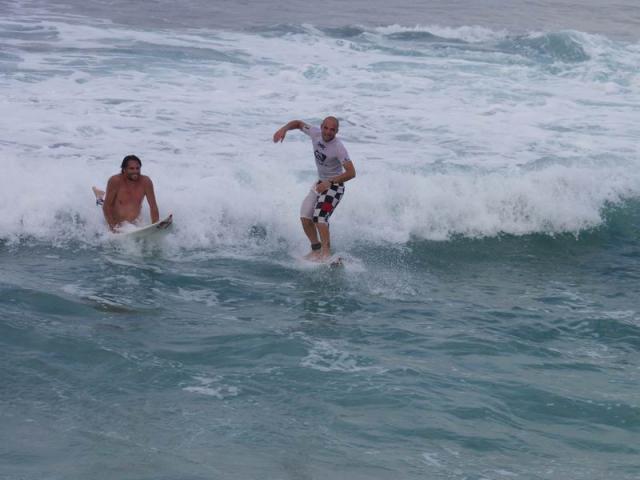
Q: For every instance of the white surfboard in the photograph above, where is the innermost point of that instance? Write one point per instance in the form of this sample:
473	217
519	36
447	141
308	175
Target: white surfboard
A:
334	261
132	231
146	231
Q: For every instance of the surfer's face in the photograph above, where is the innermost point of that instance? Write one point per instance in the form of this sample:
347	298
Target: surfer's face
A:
329	129
132	171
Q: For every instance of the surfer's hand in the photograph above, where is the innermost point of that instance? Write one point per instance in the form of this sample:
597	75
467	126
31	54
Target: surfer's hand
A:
279	135
323	186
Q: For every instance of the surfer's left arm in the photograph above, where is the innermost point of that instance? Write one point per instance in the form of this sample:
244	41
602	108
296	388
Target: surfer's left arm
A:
348	173
151	199
347	165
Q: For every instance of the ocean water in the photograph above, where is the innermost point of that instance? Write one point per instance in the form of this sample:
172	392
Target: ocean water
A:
485	324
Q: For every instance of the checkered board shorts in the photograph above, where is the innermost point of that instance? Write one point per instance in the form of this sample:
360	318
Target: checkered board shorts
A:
319	207
327	203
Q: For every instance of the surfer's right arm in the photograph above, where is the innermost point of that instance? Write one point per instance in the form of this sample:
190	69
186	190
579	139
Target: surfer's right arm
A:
109	202
282	131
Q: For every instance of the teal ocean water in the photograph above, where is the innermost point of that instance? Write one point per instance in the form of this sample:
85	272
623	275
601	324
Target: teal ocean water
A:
485	324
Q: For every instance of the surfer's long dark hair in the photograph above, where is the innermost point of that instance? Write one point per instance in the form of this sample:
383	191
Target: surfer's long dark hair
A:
127	159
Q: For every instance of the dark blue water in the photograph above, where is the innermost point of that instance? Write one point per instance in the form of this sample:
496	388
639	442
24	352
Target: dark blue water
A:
464	359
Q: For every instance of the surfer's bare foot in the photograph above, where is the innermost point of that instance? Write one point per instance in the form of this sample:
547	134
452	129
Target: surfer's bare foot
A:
324	255
313	256
97	192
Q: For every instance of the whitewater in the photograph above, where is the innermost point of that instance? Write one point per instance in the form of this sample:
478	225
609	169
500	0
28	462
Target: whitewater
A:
461	131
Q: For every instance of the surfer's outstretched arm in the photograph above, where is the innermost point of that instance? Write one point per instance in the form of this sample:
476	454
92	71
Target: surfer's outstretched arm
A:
282	131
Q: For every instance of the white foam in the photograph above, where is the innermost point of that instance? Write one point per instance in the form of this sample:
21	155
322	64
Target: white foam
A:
212	388
431	458
472	34
326	356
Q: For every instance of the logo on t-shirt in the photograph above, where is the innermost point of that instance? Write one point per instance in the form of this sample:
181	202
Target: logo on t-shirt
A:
321	157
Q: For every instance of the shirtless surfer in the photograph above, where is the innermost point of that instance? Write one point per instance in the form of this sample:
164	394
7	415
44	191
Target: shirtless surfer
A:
334	168
125	192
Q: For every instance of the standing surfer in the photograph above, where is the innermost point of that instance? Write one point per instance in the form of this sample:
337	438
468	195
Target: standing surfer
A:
334	168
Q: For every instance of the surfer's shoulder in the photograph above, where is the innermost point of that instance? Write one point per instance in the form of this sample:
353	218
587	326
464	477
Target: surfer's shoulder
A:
115	179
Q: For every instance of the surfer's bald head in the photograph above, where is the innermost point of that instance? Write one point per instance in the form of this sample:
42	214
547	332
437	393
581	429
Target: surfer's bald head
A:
127	159
333	120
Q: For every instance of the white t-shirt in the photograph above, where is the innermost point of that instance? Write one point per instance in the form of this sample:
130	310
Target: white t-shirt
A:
330	156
